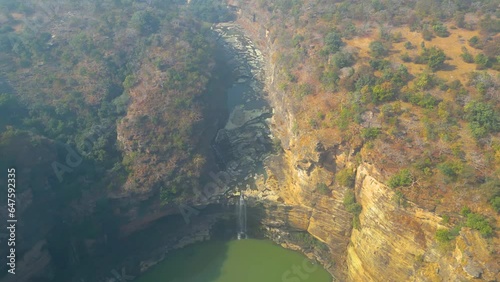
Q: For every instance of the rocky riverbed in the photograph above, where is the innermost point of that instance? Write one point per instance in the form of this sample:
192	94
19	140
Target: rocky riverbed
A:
245	141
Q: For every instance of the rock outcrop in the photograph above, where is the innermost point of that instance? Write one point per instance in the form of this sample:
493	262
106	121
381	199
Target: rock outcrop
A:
393	242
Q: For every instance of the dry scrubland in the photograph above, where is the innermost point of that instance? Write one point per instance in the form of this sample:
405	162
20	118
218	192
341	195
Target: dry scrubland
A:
424	125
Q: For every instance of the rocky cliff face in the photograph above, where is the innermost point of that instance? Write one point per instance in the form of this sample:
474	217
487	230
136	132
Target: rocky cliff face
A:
398	243
393	242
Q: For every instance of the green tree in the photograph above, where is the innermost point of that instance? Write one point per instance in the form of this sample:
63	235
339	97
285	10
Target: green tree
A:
402	178
483	118
475	42
82	43
333	42
352	207
345	177
482	61
377	49
129	82
424	81
370	133
443	235
451	169
435	57
343	59
440	30
495	203
480	223
466	56
144	22
383	92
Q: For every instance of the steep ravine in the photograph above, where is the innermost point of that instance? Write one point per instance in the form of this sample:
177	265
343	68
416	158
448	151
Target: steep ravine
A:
393	243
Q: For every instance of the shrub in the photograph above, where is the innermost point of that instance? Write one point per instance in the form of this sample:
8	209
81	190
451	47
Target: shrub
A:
400	77
370	133
434	57
129	82
465	211
480	223
443	235
426	100
440	30
323	189
345	177
493	187
383	92
333	42
144	22
306	240
378	64
329	79
303	90
482	61
451	169
313	123
427	35
343	59
495	203
403	178
406	58
425	165
425	81
397	37
482	118
466	56
475	42
377	49
350	203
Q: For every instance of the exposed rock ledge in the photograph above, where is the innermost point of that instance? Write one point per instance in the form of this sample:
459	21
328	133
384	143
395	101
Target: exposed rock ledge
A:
393	243
398	244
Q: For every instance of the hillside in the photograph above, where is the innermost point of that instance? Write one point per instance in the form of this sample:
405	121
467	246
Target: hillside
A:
94	95
384	118
387	117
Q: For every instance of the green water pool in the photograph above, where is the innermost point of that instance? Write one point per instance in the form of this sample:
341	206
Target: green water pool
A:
235	261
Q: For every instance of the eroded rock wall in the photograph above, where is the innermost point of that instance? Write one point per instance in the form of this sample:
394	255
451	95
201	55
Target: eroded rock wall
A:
393	242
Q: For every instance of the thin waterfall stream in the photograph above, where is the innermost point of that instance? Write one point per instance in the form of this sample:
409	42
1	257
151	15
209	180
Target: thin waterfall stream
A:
240	146
241	210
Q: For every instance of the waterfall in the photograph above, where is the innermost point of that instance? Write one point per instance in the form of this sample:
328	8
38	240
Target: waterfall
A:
241	210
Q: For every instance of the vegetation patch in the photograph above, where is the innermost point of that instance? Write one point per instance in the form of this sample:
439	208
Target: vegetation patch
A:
478	222
346	177
402	178
323	189
443	236
352	207
308	242
483	118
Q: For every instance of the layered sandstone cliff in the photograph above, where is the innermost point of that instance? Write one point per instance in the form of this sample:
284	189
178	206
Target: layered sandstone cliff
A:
393	242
